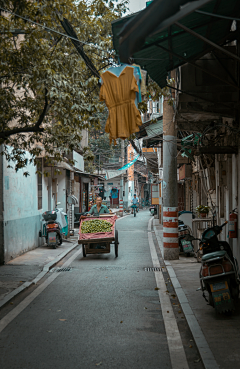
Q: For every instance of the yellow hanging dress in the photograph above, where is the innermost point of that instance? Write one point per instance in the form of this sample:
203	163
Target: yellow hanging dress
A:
119	94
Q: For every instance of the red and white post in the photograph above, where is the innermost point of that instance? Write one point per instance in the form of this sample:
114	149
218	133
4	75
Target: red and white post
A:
121	207
121	180
170	189
170	233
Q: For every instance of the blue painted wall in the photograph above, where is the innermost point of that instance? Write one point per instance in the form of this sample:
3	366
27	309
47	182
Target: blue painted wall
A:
22	219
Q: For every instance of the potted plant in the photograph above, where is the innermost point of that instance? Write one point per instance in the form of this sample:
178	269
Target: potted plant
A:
202	210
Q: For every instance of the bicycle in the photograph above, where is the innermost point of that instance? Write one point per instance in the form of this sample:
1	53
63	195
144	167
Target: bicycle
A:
134	207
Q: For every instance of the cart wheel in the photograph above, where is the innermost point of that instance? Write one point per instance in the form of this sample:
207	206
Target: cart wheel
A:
116	243
83	251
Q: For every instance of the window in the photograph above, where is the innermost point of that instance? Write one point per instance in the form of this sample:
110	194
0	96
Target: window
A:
39	183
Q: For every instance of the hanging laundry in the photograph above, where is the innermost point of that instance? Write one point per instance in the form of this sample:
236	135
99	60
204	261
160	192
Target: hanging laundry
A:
117	70
137	74
119	93
143	80
114	193
137	71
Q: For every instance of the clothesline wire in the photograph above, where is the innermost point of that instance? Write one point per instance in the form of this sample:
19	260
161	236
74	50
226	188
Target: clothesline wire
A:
62	34
165	59
53	30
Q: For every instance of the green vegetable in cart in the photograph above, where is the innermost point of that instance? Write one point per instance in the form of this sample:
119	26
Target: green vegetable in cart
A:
96	226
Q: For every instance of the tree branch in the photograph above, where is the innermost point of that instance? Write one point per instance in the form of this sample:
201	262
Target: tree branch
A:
35	128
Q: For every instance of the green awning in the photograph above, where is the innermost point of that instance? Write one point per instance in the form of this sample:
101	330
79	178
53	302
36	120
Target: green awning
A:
169	47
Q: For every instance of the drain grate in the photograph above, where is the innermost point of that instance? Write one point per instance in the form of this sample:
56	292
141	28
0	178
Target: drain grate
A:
152	269
57	270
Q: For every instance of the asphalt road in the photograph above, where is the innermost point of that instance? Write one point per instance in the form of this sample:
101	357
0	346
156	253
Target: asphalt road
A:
105	312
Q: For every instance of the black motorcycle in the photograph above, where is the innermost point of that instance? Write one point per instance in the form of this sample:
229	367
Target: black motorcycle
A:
219	273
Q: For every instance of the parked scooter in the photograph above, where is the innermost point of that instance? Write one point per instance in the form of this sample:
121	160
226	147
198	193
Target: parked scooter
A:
153	210
54	227
185	246
219	273
53	230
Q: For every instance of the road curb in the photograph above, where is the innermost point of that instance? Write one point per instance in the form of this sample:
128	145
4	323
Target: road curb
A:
205	352
45	270
175	344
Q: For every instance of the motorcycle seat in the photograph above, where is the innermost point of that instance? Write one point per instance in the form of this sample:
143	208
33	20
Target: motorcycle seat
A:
212	255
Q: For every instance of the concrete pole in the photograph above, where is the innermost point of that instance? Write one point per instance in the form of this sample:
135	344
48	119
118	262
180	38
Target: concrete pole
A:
50	192
234	195
2	252
238	174
121	181
228	198
170	190
217	219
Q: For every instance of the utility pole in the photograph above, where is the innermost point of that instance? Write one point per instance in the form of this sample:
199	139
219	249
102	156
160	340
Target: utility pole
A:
170	190
234	196
121	181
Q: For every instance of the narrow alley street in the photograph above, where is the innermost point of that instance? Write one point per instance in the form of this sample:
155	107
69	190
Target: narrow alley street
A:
104	312
120	184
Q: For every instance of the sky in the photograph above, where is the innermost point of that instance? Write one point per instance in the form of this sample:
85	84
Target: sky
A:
136	5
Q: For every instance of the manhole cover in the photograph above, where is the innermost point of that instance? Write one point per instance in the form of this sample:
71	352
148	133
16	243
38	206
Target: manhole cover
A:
152	269
110	268
57	270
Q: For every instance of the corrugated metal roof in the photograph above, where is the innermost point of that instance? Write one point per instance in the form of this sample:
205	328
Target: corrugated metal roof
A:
154	56
142	129
155	129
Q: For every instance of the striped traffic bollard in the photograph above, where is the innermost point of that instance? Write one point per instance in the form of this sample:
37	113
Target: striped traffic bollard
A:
170	233
121	207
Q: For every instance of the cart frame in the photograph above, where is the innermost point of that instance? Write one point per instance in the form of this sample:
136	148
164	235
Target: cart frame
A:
106	241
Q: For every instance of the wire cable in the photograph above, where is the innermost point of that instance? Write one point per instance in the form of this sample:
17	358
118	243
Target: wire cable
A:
53	30
217	15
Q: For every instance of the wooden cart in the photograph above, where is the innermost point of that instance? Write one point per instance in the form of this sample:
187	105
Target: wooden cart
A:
99	245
